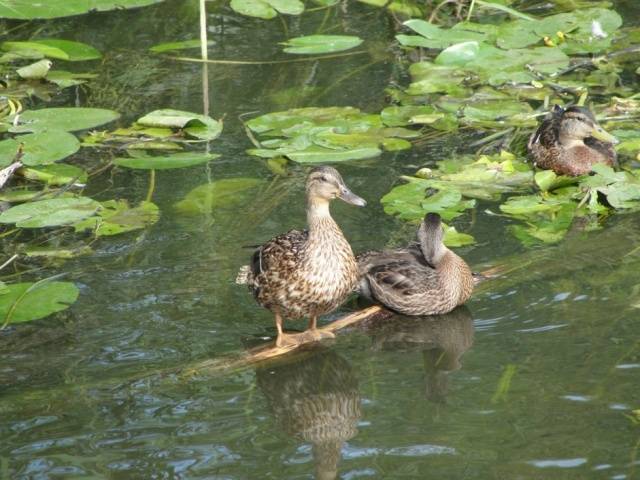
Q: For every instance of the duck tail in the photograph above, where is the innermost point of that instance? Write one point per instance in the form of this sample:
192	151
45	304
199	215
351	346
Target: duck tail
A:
244	274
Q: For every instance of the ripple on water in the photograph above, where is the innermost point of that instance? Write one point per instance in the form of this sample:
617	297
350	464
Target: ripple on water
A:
558	463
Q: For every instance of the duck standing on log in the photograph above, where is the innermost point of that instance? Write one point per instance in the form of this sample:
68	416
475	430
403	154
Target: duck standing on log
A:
425	278
570	141
306	273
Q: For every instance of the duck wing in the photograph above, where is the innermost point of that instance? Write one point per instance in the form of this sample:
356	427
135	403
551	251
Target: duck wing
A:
283	253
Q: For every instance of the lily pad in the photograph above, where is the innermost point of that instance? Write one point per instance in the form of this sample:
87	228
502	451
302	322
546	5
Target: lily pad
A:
115	217
24	302
172	46
329	134
267	9
412	201
68	119
54	48
56	174
193	124
29	10
40	148
50	213
166	162
204	199
314	44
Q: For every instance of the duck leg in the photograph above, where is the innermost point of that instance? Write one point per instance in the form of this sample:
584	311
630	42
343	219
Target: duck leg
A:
313	333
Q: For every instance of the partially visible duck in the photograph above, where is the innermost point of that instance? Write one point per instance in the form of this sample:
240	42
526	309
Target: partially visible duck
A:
306	273
422	279
570	141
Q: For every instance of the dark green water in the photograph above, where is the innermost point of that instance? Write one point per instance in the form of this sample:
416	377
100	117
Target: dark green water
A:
534	379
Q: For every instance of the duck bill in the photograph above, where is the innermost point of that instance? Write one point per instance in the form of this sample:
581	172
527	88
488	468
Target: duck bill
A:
350	197
601	134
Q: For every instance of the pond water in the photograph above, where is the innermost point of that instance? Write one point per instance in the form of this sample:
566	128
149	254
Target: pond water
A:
536	377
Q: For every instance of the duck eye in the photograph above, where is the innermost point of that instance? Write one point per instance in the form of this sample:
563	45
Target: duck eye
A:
324	178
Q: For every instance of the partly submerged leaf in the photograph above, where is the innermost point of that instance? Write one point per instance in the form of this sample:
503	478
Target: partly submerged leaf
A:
56	174
50	213
166	162
220	193
184	45
23	302
314	44
115	217
36	70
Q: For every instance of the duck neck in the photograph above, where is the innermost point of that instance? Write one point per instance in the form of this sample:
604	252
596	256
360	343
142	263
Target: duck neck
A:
319	218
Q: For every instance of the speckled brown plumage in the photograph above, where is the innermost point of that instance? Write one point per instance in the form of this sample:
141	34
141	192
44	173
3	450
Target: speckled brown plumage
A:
307	273
563	142
422	279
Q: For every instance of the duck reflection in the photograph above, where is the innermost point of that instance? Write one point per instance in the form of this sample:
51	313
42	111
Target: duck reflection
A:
442	339
315	399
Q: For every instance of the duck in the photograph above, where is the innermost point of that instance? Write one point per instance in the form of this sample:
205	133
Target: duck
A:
570	141
425	278
306	273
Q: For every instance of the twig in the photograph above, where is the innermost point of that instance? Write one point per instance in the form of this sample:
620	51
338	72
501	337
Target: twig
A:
8	261
268	62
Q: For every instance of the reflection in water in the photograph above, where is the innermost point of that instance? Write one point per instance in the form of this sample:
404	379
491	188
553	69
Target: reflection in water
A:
315	399
443	339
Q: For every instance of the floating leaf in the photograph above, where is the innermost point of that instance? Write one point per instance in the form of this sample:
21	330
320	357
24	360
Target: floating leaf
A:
314	44
68	79
166	162
29	10
317	154
55	48
50	213
56	174
204	199
267	9
68	119
23	302
184	45
411	201
40	148
115	217
54	252
195	125
36	70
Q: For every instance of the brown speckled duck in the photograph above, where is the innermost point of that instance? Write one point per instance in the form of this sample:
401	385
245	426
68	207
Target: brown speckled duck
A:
306	273
570	141
423	279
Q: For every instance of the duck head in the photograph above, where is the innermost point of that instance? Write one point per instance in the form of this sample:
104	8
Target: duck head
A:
578	123
326	183
430	235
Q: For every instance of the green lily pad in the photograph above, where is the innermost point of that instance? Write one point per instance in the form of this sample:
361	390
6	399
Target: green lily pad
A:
40	148
329	134
314	44
50	213
411	201
204	199
24	302
68	119
453	238
166	162
56	174
115	217
193	124
29	10
65	79
54	48
267	9
172	46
